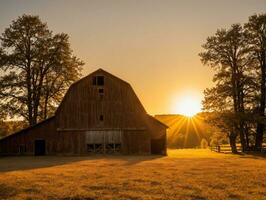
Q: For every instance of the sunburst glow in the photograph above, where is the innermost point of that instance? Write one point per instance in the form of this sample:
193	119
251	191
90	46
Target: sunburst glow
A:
188	106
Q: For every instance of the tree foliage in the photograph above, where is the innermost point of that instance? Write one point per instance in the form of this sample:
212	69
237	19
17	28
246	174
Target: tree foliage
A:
204	143
9	127
36	68
237	56
256	36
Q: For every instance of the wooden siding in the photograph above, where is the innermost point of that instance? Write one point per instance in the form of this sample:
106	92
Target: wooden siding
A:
136	142
45	130
157	131
83	105
109	136
77	123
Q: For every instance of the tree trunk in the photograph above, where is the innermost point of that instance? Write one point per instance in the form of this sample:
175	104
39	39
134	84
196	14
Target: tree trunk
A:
247	137
232	140
37	96
259	136
260	126
45	106
29	97
242	136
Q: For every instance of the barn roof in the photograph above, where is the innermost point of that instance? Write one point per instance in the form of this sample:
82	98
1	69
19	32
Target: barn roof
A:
158	121
102	71
30	127
90	74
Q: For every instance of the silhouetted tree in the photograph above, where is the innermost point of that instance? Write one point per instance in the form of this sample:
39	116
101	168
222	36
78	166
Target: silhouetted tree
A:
256	37
36	68
227	53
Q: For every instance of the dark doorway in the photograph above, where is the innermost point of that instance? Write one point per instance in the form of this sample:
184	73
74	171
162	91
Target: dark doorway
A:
39	147
158	146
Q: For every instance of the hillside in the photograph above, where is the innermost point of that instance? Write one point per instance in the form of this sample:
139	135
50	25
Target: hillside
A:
185	132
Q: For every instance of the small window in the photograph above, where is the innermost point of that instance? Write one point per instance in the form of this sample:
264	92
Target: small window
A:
100	80
101	117
101	91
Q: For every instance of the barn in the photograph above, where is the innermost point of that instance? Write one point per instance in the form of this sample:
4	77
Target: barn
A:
100	113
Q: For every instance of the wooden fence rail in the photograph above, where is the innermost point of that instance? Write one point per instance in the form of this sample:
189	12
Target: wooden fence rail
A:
227	149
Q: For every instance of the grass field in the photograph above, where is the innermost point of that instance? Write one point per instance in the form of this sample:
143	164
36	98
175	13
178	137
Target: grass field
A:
183	174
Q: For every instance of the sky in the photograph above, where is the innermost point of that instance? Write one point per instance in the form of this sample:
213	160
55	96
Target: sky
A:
151	44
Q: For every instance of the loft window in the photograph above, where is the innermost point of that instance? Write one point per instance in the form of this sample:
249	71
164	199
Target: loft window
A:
98	80
101	117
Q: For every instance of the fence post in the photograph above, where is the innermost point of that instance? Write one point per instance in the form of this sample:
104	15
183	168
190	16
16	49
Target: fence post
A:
219	148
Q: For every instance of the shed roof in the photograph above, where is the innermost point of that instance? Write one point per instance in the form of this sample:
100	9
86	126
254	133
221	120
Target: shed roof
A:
30	127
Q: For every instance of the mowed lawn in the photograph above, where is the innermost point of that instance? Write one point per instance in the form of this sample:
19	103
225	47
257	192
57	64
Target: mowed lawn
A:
183	174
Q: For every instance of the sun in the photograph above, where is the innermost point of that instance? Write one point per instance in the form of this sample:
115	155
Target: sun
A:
188	106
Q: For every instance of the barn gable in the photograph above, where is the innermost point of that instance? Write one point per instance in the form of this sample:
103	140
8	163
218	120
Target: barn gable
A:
92	105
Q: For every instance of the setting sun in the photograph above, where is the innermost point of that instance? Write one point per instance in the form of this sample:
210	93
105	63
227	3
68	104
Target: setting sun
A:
188	106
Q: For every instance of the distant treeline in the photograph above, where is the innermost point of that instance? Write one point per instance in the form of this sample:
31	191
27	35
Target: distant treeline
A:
9	127
194	132
236	103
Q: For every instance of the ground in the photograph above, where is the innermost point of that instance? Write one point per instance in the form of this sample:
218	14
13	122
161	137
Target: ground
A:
183	174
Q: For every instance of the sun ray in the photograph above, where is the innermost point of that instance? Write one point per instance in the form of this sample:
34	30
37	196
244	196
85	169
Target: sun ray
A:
195	128
186	132
178	126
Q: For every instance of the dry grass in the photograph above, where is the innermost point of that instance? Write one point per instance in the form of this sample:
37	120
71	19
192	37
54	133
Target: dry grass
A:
184	174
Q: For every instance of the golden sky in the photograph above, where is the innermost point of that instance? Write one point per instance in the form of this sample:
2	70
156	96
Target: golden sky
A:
153	44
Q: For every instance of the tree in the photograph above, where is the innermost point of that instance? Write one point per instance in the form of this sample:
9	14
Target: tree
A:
204	143
36	68
221	115
256	35
227	53
9	127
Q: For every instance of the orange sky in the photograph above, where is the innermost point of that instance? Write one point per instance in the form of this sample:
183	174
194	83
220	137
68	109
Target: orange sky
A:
153	45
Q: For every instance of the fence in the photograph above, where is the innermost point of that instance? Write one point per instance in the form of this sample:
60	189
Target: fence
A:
225	148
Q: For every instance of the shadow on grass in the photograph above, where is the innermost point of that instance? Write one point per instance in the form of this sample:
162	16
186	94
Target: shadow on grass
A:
14	163
7	191
254	155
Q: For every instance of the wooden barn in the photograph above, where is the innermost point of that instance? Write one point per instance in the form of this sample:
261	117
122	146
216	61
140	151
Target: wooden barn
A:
100	113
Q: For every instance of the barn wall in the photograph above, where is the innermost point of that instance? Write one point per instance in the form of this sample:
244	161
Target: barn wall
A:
79	112
56	142
158	136
70	143
136	142
27	137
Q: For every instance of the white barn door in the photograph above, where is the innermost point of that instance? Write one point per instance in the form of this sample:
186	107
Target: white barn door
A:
108	141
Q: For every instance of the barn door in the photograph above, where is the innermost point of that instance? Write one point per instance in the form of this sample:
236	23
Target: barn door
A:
113	142
39	147
95	142
103	142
